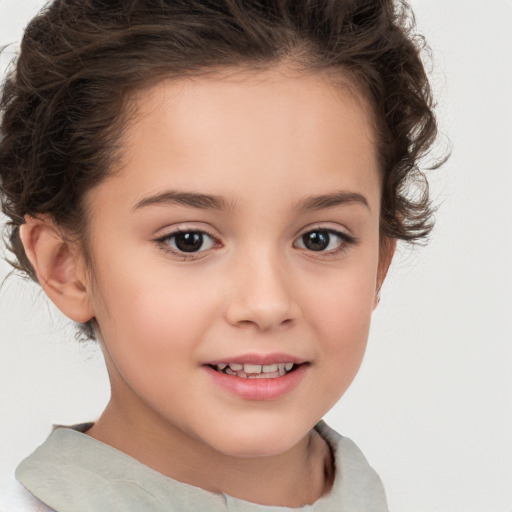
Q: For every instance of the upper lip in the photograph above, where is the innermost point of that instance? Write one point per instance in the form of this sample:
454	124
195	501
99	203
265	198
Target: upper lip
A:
262	359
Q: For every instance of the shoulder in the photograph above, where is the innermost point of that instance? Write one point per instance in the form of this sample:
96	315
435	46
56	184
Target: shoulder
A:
15	498
357	485
71	471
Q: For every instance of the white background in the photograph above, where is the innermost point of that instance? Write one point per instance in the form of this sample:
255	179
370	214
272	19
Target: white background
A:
432	405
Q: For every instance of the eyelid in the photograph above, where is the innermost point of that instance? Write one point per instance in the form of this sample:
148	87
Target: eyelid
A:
347	239
161	241
327	226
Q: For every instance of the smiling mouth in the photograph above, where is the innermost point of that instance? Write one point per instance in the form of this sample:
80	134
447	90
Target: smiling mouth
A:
255	371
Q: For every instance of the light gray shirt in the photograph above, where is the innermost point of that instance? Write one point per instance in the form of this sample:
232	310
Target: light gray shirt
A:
72	472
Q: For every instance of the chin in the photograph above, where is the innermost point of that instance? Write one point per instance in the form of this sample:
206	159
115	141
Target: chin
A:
256	440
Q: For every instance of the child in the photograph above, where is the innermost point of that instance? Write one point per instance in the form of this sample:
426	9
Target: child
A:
214	191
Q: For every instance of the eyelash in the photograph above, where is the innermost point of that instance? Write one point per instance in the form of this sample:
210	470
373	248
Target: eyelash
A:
164	243
345	241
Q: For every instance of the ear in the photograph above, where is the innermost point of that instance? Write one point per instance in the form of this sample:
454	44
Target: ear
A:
58	267
386	252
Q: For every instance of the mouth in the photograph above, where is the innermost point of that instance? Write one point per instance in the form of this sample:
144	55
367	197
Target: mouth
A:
258	377
256	371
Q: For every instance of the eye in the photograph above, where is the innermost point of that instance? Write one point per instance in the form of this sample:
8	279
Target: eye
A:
324	240
188	241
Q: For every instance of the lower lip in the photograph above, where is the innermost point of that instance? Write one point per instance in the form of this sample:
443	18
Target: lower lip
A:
258	389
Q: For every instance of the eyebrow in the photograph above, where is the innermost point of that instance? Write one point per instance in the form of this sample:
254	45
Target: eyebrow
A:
213	202
324	201
190	199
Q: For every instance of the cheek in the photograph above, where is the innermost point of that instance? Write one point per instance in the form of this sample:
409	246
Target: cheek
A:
344	330
155	311
342	301
341	315
151	330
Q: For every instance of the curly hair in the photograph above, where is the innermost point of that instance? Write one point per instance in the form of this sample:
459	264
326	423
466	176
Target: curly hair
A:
63	105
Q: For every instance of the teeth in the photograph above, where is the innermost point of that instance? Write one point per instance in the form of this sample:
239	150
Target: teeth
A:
255	371
252	368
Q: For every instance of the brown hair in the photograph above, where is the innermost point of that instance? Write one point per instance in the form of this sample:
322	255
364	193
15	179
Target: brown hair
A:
63	104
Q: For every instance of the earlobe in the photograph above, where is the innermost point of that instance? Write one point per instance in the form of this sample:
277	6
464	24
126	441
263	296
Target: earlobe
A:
386	253
58	268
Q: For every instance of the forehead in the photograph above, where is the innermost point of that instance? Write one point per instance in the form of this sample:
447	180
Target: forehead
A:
276	128
241	96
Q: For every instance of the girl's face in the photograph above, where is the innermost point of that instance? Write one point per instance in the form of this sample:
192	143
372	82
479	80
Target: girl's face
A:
242	230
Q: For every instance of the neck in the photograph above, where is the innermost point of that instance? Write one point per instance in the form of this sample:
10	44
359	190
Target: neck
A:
294	478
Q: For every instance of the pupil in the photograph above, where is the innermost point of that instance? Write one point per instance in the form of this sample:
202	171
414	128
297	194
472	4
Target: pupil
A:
316	240
189	242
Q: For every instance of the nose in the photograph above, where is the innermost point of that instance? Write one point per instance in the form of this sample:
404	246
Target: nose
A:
261	293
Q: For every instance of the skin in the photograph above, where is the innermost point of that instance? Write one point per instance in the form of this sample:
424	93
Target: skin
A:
264	142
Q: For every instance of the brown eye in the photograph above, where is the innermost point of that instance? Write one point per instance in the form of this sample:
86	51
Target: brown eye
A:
189	241
316	240
324	240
